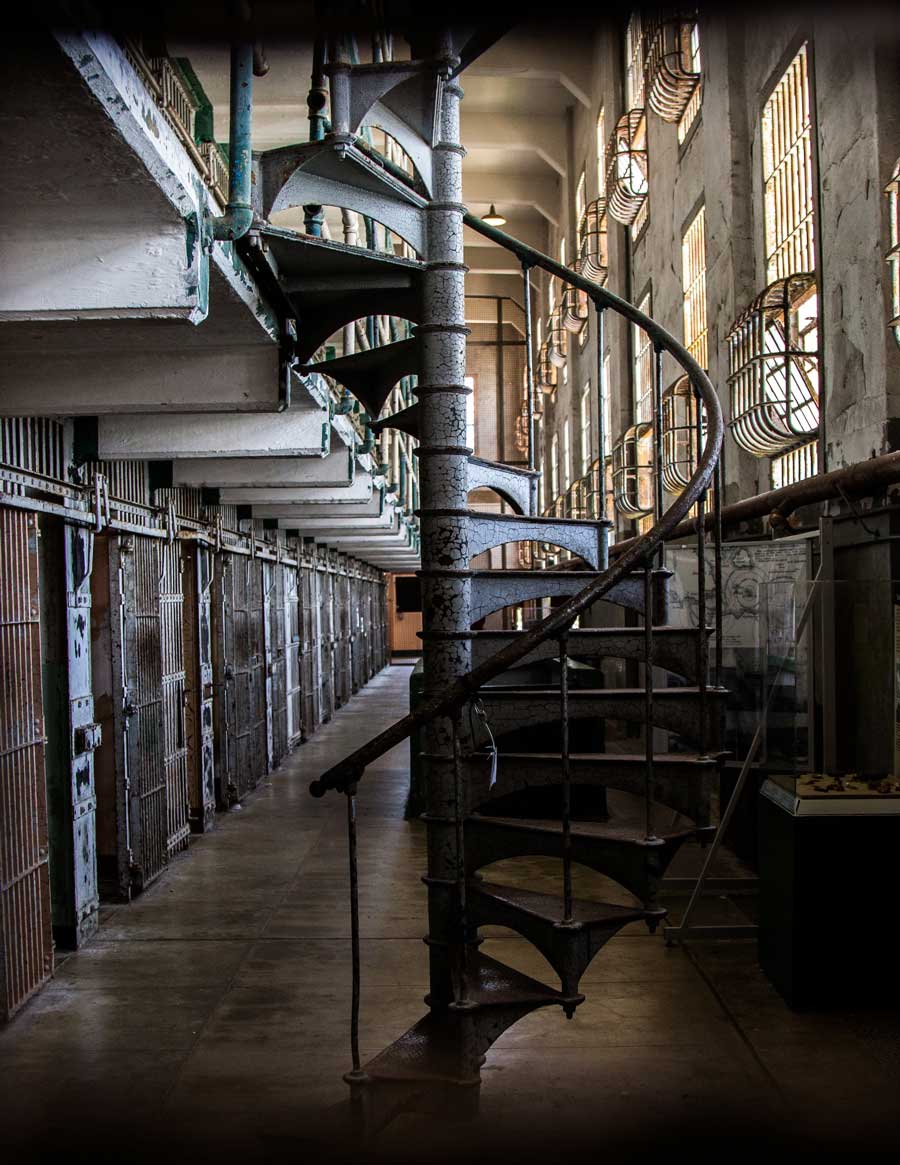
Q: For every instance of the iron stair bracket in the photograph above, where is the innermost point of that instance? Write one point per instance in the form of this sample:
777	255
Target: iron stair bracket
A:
493	590
407	421
456	694
371	375
518	487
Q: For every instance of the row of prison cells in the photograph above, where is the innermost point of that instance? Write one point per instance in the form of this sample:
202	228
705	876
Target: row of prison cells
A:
160	655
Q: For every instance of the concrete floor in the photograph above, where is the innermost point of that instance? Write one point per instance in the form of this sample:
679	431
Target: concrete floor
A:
210	1016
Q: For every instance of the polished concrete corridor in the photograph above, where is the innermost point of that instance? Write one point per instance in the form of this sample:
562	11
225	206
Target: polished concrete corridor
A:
210	1016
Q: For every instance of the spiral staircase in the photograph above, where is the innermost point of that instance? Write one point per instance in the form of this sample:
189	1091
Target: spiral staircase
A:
514	680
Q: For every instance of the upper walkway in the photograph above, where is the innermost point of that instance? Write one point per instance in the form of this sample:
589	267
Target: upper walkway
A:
212	1014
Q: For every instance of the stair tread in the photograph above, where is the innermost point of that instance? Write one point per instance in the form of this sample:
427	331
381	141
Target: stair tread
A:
541	521
671	758
343	161
491	983
519	469
308	258
600	830
659	572
550	906
592	693
598	632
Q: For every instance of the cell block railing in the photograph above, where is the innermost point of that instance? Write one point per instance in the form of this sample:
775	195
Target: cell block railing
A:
627	172
774	368
672	62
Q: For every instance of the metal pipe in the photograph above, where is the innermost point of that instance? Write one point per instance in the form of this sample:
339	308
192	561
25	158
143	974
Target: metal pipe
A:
702	637
238	216
601	405
658	497
648	699
354	928
718	485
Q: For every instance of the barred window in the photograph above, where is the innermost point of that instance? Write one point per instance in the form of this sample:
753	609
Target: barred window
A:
601	153
788	174
567	453
893	193
642	368
796	465
693	275
586	429
580	198
634	62
672	53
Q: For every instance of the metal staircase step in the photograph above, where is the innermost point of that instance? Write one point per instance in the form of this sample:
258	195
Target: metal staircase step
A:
682	782
674	648
622	852
494	589
587	540
675	709
407	421
371	374
569	947
329	284
516	485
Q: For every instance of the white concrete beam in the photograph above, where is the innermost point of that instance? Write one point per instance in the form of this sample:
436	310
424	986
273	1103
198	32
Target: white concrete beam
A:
540	134
200	435
543	194
336	469
273	503
492	261
543	52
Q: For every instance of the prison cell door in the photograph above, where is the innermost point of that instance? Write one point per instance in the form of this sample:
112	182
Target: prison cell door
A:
276	684
137	677
292	650
308	674
258	704
26	942
175	758
199	686
225	570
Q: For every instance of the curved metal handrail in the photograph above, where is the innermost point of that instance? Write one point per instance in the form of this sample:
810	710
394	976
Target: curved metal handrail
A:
347	772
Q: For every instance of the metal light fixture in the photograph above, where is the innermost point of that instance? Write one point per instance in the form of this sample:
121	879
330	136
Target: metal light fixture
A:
493	219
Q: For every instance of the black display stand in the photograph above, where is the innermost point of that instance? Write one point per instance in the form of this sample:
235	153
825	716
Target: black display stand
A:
828	873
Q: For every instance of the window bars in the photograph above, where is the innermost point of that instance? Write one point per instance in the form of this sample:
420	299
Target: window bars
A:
574	308
557	337
796	465
892	190
593	248
679	435
693	276
672	56
626	166
633	492
545	374
774	368
788	174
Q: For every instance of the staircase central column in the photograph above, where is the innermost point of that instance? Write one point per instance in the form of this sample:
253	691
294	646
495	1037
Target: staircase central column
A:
443	475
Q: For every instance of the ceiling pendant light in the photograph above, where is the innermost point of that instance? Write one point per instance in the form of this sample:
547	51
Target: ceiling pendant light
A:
493	219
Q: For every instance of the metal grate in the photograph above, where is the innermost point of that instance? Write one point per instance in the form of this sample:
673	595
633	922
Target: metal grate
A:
693	275
680	438
788	174
626	167
632	460
796	465
672	52
175	748
34	444
774	361
593	240
642	368
127	481
26	943
893	194
634	61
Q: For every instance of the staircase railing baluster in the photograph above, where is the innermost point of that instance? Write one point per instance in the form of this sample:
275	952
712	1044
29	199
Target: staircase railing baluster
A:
566	779
658	495
357	1075
601	406
529	364
718	485
648	698
702	637
460	987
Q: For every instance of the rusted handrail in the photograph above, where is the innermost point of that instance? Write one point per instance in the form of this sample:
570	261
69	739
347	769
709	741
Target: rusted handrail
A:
348	771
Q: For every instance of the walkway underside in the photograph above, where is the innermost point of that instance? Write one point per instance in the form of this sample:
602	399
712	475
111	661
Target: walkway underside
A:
212	1014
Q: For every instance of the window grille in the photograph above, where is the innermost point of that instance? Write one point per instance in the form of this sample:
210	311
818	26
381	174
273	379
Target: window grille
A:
634	62
580	198
893	192
626	166
633	472
575	308
557	338
35	445
788	174
593	248
797	465
642	368
554	466
693	275
672	52
601	154
640	219
586	428
567	453
679	434
774	368
545	373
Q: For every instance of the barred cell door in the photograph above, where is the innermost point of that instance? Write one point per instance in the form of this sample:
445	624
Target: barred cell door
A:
308	651
276	682
171	602
137	668
244	779
26	943
292	653
258	704
199	686
225	712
